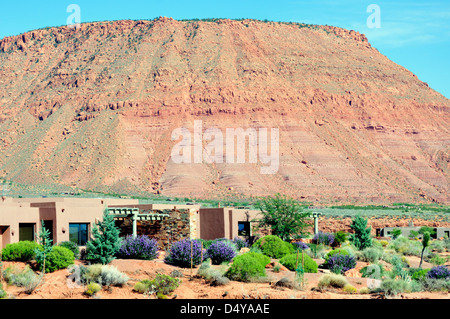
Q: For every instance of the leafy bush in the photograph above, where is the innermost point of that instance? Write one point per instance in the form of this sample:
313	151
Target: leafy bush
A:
350	289
323	238
104	275
240	243
289	261
213	276
21	251
273	246
406	246
139	247
221	251
164	284
392	287
332	280
248	266
437	260
72	247
419	274
25	278
439	272
92	289
340	263
180	253
58	258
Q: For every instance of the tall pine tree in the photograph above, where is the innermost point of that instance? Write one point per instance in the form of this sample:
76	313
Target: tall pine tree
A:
361	238
105	242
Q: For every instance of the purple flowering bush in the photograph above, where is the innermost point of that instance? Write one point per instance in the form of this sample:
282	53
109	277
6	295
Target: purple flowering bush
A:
323	238
340	263
139	247
240	243
180	253
221	251
439	272
299	245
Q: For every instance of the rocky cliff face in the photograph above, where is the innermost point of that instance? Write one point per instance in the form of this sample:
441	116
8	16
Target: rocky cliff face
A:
95	108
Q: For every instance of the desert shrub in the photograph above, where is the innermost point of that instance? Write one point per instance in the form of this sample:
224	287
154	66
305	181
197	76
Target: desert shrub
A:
289	261
139	247
164	284
370	254
273	246
21	251
364	290
212	276
432	284
104	275
375	271
3	293
247	266
176	273
332	280
25	278
323	238
142	286
180	253
240	243
72	247
439	272
221	251
339	263
436	260
406	246
349	289
58	258
437	246
392	287
384	243
92	289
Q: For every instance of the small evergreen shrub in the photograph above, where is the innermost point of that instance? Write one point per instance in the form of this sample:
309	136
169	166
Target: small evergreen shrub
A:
180	253
323	238
221	251
273	246
72	247
439	272
340	237
21	251
289	261
58	258
92	289
361	238
332	280
247	266
339	263
139	247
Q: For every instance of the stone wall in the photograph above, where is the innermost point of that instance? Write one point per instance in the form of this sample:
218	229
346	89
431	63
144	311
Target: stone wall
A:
179	225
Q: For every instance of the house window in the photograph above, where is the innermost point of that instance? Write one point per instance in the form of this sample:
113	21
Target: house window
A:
78	233
243	228
26	232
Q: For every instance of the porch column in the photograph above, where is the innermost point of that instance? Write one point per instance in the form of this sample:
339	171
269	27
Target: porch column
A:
134	219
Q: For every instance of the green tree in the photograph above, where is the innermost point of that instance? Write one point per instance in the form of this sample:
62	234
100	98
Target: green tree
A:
361	238
396	232
425	244
105	242
283	215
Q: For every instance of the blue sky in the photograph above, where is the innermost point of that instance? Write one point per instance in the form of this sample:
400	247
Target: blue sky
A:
414	34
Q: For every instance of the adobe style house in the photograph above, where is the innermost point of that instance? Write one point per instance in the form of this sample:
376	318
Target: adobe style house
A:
72	219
